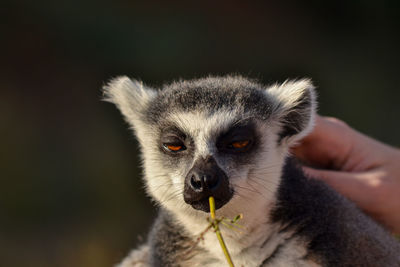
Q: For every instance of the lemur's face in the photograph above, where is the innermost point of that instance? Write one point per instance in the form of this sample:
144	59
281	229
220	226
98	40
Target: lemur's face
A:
204	153
222	137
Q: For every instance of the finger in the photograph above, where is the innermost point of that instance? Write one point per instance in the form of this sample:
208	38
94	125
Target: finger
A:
355	186
328	145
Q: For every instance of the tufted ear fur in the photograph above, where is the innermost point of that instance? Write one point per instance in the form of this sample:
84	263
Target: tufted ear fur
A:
130	96
295	109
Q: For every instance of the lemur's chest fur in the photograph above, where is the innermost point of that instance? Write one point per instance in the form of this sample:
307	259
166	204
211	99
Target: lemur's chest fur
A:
272	248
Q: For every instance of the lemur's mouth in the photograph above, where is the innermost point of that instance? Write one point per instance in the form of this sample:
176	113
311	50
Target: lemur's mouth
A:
203	204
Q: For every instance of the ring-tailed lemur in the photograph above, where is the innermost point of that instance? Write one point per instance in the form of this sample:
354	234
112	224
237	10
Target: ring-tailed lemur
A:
228	137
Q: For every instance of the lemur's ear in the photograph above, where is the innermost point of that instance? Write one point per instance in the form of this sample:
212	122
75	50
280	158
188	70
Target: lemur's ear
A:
130	96
295	108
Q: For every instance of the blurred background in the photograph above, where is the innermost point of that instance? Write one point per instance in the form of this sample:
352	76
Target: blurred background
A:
70	192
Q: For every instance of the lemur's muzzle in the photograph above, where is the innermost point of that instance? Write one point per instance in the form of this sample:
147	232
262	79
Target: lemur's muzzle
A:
206	179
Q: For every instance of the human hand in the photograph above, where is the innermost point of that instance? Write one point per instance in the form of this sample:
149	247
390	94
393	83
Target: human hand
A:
359	167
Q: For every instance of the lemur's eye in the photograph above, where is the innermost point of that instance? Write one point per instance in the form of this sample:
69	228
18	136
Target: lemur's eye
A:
174	148
240	144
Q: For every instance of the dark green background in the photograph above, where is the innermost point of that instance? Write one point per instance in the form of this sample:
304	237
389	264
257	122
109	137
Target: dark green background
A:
70	192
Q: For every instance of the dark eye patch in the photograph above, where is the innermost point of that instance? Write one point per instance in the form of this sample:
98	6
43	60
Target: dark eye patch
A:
240	133
172	132
173	140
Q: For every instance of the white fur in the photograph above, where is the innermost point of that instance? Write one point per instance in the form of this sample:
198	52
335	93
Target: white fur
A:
131	97
137	258
287	95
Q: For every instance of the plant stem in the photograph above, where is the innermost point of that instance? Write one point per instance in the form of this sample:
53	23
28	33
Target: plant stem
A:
218	232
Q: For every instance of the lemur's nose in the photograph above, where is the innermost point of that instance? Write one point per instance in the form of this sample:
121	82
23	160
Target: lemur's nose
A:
206	179
203	181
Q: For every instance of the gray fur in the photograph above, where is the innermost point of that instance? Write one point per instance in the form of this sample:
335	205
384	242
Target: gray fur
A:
289	220
211	94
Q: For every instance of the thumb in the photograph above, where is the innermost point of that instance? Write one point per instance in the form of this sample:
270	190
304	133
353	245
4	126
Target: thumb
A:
354	186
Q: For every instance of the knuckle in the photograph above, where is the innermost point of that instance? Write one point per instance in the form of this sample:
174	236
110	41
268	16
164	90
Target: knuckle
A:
337	122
